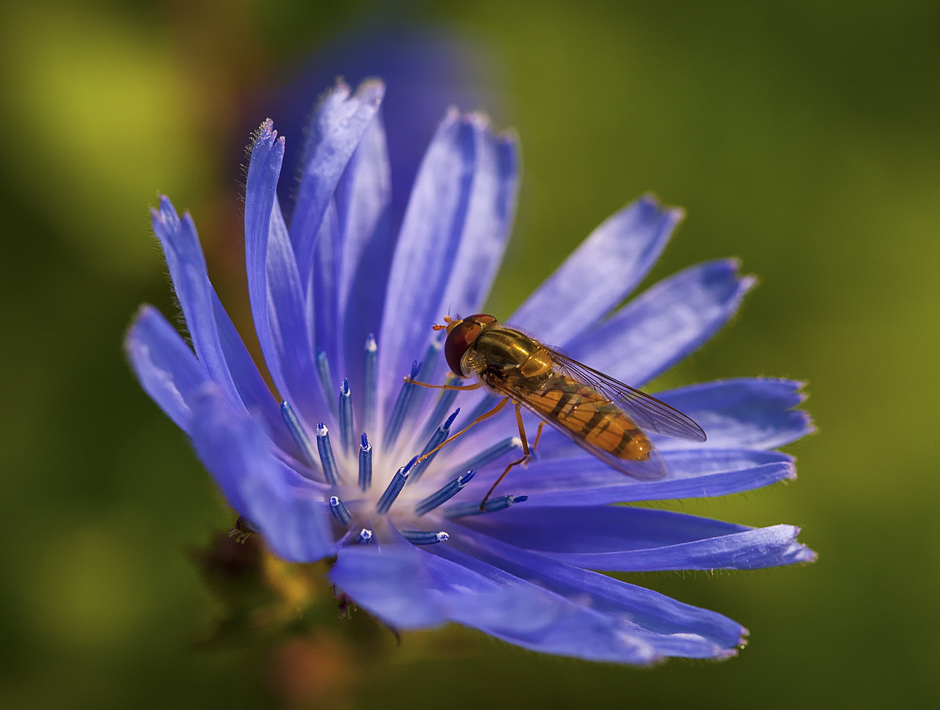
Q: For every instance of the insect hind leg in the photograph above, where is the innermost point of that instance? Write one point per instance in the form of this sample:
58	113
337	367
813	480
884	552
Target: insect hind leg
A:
538	436
526	454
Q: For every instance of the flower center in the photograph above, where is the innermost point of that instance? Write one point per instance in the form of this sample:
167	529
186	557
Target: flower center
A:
362	511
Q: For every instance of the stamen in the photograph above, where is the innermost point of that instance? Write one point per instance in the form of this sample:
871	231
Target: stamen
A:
394	488
442	432
365	464
443	404
339	510
419	537
411	394
326	377
427	368
297	431
346	418
402	404
326	454
365	535
493	505
489	455
447	492
371	383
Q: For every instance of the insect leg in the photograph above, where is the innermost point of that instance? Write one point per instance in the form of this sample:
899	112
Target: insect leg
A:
485	415
474	386
526	453
538	435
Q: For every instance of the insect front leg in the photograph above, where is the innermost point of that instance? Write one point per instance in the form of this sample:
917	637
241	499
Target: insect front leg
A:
526	453
474	386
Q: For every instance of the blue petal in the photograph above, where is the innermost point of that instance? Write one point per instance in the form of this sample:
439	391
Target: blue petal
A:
251	387
323	292
747	412
457	192
407	587
267	154
187	266
215	339
626	539
362	199
488	221
278	305
337	126
673	628
693	473
410	588
753	549
663	325
599	274
167	369
289	510
425	70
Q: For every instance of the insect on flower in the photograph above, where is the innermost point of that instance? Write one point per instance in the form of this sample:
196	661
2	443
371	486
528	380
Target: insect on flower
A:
607	418
329	290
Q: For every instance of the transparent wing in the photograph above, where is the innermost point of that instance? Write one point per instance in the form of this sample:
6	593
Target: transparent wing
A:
649	413
542	401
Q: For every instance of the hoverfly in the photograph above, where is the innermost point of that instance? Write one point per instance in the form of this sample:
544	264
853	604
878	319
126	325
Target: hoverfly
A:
601	415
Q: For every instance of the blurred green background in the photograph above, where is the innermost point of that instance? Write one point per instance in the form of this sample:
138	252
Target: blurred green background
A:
801	137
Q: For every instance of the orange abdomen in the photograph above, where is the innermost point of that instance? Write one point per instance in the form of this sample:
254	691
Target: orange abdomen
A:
590	416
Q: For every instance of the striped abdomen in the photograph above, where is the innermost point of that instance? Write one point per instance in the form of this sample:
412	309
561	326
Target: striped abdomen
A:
589	416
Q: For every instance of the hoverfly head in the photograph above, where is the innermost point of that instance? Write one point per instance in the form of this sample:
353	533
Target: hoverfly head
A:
460	336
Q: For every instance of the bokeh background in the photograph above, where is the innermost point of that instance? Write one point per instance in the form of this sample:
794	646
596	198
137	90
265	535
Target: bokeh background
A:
801	137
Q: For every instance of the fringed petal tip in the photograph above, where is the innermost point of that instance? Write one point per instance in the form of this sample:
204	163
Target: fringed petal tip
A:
266	135
799	554
371	90
164	216
650	200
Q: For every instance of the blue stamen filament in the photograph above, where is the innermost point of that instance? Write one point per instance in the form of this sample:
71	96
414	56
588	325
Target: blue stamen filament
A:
411	394
371	385
326	455
326	377
365	464
297	432
365	535
391	493
346	418
443	495
339	511
493	505
420	537
441	433
426	373
402	405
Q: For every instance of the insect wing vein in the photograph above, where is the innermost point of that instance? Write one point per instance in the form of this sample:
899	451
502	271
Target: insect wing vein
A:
648	412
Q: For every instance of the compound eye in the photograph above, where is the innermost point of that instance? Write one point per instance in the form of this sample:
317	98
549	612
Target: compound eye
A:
459	339
481	318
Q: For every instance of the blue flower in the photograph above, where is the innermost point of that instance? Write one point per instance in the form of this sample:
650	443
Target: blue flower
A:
343	301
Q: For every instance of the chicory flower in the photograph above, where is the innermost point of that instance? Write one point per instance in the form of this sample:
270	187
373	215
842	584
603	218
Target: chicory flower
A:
343	301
